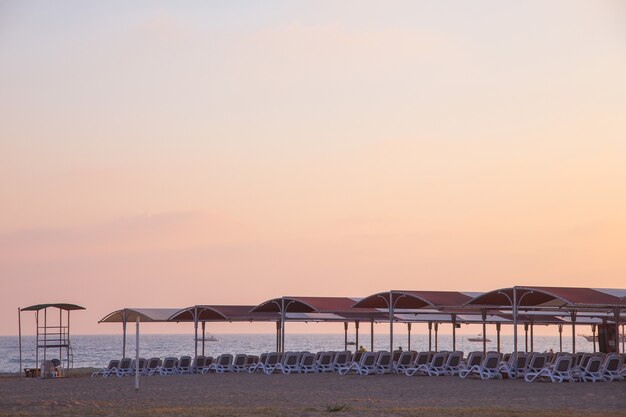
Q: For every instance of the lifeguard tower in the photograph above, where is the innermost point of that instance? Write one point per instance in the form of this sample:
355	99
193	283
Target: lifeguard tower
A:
52	337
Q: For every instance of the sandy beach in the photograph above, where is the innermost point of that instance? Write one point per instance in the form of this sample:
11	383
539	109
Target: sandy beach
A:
306	395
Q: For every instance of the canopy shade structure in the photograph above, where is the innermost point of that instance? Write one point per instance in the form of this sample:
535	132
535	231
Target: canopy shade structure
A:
61	306
145	315
223	313
552	297
401	299
307	304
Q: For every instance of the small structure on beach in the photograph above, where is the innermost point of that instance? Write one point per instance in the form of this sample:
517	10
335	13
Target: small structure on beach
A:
50	335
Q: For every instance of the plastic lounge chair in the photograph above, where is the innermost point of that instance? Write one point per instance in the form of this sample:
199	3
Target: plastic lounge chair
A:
239	363
222	364
342	361
125	367
271	363
423	358
404	362
307	363
613	369
153	366
453	364
488	369
197	364
384	363
169	366
436	364
142	366
184	365
290	363
258	366
512	369
592	370
251	360
324	362
110	368
368	363
559	372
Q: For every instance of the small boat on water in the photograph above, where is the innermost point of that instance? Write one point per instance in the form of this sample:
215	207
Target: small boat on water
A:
209	338
592	338
351	343
478	338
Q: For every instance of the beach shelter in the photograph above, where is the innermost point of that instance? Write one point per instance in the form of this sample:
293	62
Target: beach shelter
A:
395	300
572	300
50	335
220	313
321	309
126	315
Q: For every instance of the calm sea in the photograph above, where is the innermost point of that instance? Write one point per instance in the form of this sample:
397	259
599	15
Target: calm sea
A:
96	351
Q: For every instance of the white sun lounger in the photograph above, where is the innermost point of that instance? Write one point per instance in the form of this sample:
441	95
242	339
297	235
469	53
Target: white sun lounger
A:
307	363
111	368
169	366
613	369
559	372
153	365
488	369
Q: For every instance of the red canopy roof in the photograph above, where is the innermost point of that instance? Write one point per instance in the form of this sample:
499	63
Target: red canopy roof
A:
414	299
222	313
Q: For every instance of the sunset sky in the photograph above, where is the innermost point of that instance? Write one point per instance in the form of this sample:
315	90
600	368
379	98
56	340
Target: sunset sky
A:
166	154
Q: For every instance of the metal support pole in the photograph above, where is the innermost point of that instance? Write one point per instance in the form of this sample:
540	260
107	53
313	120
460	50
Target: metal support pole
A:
408	326
498	328
277	336
61	337
372	335
282	325
593	333
573	315
453	332
532	341
45	339
345	335
561	338
616	314
137	355
391	322
19	330
514	307
37	344
203	336
436	338
623	339
526	336
430	336
195	331
68	345
356	340
125	317
483	313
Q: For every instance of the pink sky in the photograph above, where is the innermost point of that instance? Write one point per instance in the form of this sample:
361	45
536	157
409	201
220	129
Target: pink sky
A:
155	155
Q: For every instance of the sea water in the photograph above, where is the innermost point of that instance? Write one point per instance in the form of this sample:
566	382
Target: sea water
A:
96	351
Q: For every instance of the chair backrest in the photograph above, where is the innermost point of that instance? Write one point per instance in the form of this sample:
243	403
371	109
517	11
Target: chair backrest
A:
326	358
357	356
613	362
184	362
272	358
153	363
263	357
169	362
396	355
439	359
125	363
454	359
406	358
114	363
225	359
475	359
240	359
492	360
199	361
384	359
342	358
564	363
538	361
368	359
209	360
142	363
251	359
593	365
307	359
291	359
422	358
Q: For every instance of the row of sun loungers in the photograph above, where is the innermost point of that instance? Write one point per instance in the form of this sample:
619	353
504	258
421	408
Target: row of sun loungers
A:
588	367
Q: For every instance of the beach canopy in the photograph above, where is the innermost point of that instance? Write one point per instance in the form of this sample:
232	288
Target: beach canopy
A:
62	306
145	315
222	313
552	297
410	300
307	304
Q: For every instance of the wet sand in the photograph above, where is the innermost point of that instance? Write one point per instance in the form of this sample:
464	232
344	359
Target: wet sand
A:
306	395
